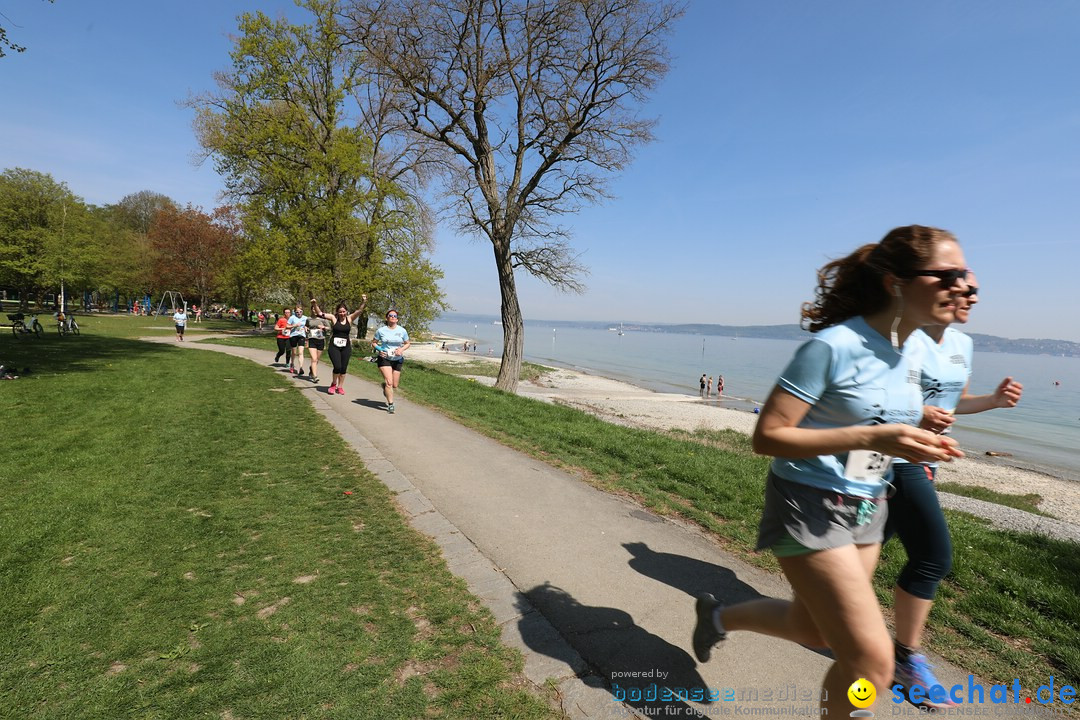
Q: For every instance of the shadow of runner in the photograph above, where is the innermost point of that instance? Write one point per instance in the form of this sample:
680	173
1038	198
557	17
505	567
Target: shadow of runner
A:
373	404
694	577
690	575
628	657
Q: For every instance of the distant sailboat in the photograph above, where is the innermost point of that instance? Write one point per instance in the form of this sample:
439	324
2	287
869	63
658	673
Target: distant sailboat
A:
621	330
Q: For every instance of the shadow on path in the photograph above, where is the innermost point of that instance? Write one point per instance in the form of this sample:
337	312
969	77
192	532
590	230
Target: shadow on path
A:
690	575
694	577
637	665
373	404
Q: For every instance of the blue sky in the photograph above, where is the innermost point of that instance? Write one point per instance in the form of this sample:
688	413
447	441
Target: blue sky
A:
790	133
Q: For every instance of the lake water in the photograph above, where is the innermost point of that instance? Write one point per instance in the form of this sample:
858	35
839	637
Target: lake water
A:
1042	432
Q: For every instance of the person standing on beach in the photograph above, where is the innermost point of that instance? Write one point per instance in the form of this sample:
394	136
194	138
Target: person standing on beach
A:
340	349
846	403
180	320
915	515
719	385
391	341
701	392
708	387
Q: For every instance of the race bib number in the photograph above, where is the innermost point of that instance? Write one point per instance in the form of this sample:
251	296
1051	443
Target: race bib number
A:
866	465
341	342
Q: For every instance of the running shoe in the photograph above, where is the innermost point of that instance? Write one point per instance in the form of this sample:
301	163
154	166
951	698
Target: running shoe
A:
331	390
917	671
340	390
390	408
705	633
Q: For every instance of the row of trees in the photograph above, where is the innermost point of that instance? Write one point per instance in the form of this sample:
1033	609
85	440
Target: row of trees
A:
50	237
143	245
326	133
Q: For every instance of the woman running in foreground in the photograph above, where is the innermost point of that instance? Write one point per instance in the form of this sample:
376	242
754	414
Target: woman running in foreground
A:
848	401
340	349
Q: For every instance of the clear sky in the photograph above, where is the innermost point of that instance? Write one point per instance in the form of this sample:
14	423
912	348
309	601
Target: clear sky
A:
790	133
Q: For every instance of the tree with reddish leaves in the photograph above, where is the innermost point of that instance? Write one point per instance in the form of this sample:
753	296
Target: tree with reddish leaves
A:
193	249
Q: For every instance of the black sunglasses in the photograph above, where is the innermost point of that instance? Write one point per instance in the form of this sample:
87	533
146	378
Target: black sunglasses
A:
948	278
971	291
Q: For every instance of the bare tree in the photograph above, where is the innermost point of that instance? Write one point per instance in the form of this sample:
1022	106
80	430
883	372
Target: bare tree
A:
5	42
533	102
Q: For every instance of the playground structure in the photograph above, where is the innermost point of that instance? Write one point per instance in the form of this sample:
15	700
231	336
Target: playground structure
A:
171	297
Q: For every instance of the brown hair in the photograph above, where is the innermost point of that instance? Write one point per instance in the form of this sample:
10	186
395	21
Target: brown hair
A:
852	285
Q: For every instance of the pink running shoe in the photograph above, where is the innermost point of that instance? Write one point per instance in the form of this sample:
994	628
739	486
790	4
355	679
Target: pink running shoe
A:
340	390
331	390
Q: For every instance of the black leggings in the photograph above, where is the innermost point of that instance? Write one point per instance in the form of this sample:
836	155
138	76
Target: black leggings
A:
915	516
283	349
339	356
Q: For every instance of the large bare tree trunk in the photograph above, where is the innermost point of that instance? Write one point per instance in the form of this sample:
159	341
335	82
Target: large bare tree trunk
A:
512	324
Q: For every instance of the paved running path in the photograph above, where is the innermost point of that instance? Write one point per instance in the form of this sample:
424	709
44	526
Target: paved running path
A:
593	589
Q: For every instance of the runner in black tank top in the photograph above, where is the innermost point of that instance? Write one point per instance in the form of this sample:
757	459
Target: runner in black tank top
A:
340	349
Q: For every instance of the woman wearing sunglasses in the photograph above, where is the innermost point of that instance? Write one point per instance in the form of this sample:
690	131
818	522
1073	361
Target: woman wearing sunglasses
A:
390	342
847	402
915	515
340	349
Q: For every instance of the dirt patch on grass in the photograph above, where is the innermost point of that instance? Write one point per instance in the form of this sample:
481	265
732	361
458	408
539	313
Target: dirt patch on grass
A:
271	609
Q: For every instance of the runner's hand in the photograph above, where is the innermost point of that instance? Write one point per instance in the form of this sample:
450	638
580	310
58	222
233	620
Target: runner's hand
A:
935	419
1008	393
914	444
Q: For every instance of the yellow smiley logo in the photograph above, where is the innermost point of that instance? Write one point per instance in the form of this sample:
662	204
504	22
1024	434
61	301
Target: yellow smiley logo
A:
862	693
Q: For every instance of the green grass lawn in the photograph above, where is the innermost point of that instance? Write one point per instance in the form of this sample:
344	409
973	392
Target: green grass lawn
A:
1011	607
185	537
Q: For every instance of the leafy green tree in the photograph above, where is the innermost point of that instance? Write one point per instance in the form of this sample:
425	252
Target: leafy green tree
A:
286	132
127	256
33	206
534	104
136	211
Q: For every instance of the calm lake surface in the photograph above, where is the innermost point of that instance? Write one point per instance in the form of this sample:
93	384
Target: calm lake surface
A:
1042	432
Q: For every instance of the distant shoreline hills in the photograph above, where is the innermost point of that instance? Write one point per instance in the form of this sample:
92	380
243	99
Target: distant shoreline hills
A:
983	343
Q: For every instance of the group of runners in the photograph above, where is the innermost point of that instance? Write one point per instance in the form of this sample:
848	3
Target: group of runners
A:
332	332
856	425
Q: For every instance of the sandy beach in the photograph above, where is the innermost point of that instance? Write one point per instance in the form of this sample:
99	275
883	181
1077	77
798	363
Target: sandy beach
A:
626	404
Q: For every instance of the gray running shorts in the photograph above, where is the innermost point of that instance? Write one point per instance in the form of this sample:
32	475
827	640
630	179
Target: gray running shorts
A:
818	519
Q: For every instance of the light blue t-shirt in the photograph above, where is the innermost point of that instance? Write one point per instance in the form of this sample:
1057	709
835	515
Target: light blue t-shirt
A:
297	325
180	318
946	369
850	375
388	340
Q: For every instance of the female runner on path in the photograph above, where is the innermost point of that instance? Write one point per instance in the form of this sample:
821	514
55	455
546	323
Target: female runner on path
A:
340	349
317	329
915	514
848	401
282	328
391	341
